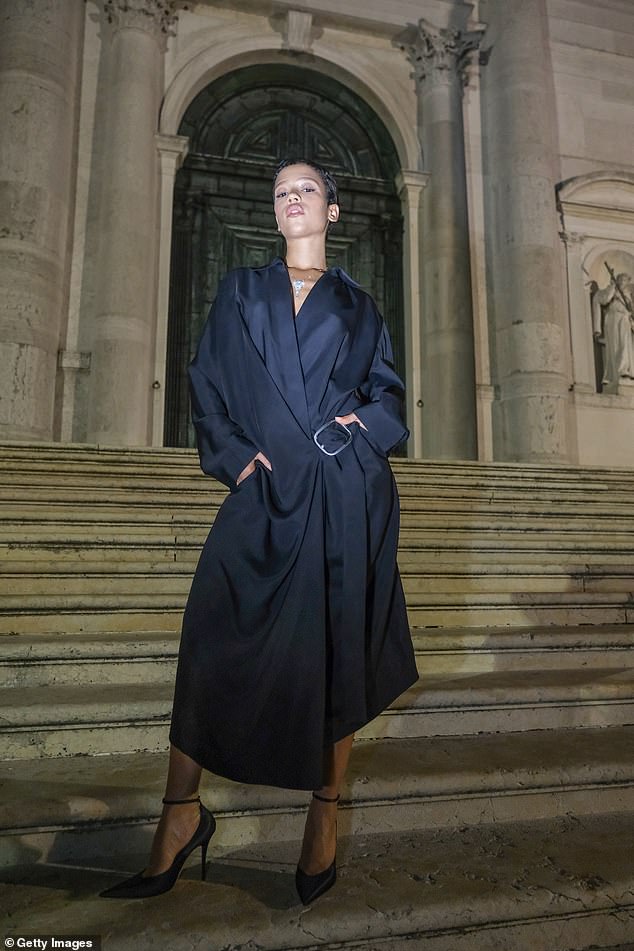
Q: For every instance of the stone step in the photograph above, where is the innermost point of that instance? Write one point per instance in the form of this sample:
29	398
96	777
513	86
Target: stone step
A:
71	564
487	537
391	784
163	464
449	704
164	613
175	578
466	558
418	582
132	622
43	589
61	460
59	659
497	610
31	514
54	457
16	453
520	886
418	530
58	458
114	495
15	532
420	490
143	555
80	659
524	648
426	493
507	546
68	720
113	500
453	651
425	486
131	612
505	724
94	555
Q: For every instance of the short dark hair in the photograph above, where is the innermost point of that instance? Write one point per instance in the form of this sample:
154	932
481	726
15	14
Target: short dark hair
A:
327	177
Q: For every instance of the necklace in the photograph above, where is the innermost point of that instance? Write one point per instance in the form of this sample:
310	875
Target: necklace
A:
298	283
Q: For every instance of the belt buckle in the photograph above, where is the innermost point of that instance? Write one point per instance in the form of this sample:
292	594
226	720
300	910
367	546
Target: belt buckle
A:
325	426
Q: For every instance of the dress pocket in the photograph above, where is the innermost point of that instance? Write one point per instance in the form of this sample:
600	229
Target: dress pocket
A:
249	478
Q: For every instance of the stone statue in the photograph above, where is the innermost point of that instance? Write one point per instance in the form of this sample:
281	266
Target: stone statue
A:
613	327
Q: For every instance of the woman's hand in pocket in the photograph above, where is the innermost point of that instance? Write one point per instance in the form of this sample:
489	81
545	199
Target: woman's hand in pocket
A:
250	468
350	418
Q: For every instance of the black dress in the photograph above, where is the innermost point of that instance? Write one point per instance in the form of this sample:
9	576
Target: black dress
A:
295	632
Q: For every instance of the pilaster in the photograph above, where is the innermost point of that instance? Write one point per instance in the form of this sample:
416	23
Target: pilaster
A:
410	186
583	369
473	64
172	151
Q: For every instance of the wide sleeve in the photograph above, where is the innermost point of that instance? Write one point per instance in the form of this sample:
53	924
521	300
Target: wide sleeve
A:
382	415
223	447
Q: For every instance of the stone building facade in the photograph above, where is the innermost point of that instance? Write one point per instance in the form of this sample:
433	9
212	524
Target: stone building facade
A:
485	152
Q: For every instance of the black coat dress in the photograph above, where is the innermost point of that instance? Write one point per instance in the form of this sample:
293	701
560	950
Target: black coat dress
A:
295	632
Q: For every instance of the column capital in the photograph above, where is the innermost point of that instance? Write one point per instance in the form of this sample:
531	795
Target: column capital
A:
409	182
439	55
156	17
172	150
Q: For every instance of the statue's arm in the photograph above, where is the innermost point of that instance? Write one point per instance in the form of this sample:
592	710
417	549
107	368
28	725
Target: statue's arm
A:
601	298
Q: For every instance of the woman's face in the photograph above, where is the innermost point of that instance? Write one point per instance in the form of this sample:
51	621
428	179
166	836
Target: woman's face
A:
300	202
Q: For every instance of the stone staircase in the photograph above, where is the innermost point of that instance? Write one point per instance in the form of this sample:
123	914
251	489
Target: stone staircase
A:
516	744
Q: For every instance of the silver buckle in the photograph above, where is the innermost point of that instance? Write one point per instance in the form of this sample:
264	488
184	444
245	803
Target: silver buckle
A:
325	426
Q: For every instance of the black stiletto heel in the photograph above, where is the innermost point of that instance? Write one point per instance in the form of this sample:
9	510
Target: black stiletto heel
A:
203	861
146	886
310	887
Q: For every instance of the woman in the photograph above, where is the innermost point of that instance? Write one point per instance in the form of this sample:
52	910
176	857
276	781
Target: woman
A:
295	633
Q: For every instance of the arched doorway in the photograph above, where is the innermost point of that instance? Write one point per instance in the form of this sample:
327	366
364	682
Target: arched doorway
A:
238	127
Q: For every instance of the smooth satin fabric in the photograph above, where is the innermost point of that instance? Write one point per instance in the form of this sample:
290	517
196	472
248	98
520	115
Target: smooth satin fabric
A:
295	632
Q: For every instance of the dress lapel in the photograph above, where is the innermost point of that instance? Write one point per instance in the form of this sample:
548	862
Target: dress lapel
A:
283	360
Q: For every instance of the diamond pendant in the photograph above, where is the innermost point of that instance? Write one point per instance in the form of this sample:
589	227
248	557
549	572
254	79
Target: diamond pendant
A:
297	286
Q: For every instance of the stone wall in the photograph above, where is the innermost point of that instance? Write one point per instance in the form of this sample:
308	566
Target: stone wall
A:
84	337
593	65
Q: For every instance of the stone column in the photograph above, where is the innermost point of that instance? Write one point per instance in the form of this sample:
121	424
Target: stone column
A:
448	373
40	56
122	364
526	301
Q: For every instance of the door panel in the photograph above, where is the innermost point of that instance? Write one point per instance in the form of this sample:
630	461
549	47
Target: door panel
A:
223	214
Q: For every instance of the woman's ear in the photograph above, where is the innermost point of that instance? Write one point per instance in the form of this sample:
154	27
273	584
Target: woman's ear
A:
333	213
